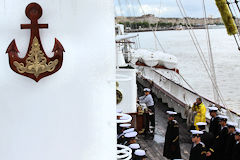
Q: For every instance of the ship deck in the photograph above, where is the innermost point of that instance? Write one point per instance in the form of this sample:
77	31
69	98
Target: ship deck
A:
154	148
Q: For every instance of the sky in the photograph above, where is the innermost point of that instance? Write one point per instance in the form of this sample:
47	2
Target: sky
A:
165	8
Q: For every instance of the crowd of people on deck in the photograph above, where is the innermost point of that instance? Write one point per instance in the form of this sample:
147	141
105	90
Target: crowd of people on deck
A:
221	142
127	136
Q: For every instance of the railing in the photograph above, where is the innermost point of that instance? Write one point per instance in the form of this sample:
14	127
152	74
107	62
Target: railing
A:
177	96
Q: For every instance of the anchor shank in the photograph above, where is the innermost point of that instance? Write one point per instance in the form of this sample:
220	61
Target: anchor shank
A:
34	27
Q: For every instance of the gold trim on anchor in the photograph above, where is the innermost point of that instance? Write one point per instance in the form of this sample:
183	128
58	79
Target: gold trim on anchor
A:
36	63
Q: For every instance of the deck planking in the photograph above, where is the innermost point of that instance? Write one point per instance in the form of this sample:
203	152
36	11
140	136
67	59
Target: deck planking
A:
154	148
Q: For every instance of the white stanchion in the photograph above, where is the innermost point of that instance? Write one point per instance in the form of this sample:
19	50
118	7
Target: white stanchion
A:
124	152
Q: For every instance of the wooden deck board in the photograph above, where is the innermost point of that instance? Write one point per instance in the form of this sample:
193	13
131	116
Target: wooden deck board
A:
154	148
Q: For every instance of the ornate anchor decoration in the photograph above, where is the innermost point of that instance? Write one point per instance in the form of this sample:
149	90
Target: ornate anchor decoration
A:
36	64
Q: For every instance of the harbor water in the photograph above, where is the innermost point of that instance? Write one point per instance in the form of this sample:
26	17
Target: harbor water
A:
225	54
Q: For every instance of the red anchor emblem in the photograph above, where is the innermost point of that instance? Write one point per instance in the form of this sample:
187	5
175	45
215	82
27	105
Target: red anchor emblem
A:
36	64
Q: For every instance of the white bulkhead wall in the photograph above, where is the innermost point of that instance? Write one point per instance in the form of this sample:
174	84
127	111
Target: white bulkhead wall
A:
126	79
71	114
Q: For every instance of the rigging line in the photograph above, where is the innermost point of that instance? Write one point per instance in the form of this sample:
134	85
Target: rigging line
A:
211	62
234	10
188	84
235	17
198	48
159	13
202	56
154	33
115	12
236	1
155	36
131	7
211	56
228	3
120	7
141	6
195	39
186	99
128	9
236	20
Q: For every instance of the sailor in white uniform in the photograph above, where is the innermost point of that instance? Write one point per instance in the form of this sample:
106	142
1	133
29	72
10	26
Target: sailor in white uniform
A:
148	100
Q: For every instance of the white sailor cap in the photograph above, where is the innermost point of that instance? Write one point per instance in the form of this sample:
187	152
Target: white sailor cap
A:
140	152
223	118
201	124
171	112
128	130
130	134
146	90
119	110
212	109
134	146
124	117
237	131
231	124
125	125
196	132
212	105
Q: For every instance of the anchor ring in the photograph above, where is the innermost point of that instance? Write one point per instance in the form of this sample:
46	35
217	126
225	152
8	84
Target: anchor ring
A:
33	11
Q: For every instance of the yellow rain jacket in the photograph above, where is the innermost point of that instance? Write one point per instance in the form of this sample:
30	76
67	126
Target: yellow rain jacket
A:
201	114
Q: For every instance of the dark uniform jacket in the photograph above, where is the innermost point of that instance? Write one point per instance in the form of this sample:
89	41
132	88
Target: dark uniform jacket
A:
236	152
214	127
171	146
220	144
198	152
207	139
230	141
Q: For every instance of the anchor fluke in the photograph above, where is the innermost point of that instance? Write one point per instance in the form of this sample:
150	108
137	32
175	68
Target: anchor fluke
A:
12	48
58	47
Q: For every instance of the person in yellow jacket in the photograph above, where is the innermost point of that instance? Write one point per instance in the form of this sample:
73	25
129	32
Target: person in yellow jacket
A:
200	110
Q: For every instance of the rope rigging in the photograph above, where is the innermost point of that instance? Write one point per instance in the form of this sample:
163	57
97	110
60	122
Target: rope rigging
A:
210	54
199	50
234	18
226	9
153	31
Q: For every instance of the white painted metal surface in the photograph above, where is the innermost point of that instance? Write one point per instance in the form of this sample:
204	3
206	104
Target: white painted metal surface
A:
124	152
128	90
70	115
